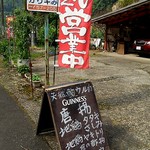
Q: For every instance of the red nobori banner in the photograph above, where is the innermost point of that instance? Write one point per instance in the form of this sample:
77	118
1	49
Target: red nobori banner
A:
74	33
9	30
42	5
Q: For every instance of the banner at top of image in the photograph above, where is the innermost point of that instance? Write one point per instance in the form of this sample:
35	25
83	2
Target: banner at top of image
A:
43	5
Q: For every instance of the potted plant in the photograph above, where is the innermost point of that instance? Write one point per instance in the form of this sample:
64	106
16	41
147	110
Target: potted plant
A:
23	69
36	80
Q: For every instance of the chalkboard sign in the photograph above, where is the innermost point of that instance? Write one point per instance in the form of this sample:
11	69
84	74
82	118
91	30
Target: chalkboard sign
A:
76	118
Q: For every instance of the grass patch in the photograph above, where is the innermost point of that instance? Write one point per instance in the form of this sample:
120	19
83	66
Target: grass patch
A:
1	62
35	55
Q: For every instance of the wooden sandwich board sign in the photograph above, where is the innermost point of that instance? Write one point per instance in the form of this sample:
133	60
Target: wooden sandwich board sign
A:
73	112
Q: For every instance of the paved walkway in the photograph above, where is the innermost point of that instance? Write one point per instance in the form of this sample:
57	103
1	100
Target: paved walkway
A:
16	131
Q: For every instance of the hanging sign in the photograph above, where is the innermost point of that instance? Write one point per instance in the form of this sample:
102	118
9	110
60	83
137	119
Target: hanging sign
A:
42	5
74	33
73	111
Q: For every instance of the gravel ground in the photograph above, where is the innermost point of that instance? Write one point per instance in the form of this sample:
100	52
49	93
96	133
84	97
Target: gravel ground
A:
122	85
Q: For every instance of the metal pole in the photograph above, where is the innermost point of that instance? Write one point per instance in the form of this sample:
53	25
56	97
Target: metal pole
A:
54	72
13	27
46	50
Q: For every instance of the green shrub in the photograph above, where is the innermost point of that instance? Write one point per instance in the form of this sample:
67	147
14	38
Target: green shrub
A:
36	77
22	29
35	55
23	69
4	49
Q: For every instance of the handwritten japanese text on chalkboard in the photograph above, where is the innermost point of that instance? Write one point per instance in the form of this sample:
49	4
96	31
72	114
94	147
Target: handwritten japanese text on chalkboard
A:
80	126
71	92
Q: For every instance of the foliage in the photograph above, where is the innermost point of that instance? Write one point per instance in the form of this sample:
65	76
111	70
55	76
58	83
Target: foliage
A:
36	77
23	69
22	30
6	48
26	22
53	32
9	5
40	36
102	6
98	5
123	3
40	29
96	33
35	54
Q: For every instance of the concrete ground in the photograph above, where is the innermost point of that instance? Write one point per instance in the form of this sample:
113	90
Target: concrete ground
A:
122	85
16	131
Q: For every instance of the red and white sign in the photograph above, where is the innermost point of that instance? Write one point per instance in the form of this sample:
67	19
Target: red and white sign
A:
74	33
42	5
9	30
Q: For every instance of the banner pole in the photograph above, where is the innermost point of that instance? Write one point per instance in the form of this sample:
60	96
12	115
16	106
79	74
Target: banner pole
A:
54	72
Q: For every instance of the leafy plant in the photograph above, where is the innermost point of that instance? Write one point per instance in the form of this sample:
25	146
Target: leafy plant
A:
23	69
35	54
9	3
4	49
22	30
123	3
97	32
39	28
36	77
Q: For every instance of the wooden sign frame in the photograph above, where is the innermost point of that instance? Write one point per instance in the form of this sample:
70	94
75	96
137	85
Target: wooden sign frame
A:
73	112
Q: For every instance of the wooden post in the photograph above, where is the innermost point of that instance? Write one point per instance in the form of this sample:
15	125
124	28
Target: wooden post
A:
46	50
2	15
105	44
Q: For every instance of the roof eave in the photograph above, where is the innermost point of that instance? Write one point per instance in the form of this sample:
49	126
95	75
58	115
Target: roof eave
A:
122	10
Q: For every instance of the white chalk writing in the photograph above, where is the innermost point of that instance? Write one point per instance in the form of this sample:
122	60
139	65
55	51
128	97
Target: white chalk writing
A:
75	142
70	92
73	126
84	108
67	102
79	119
53	96
65	115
